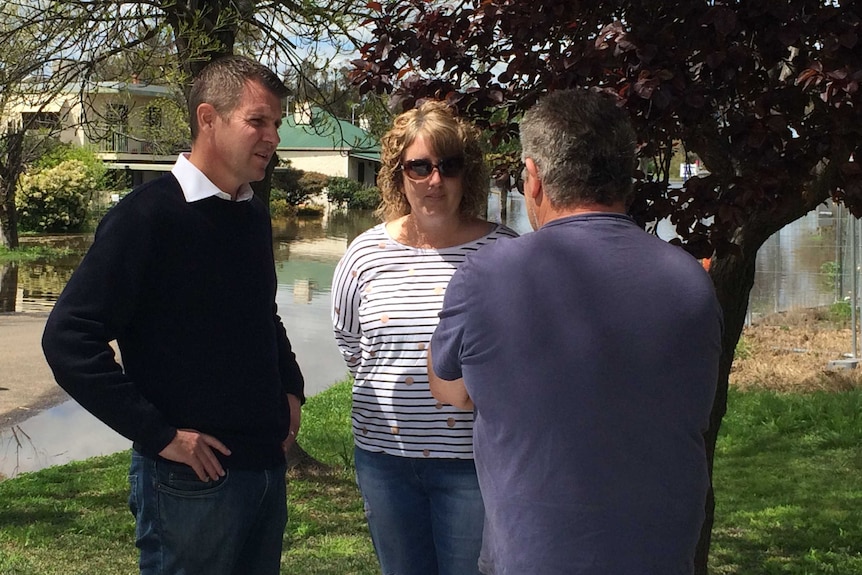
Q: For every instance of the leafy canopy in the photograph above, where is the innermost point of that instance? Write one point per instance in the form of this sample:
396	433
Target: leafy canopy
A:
766	93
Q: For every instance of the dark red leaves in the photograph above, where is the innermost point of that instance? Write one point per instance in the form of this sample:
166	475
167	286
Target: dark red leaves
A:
764	93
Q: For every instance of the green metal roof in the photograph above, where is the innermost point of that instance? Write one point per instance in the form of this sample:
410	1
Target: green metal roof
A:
326	132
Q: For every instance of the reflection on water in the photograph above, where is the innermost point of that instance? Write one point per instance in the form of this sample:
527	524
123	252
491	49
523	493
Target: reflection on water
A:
790	273
516	213
59	435
799	266
34	286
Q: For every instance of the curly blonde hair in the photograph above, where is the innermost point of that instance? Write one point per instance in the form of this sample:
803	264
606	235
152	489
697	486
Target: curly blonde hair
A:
447	135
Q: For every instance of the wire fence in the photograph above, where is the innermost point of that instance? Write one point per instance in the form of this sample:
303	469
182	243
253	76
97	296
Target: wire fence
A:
809	263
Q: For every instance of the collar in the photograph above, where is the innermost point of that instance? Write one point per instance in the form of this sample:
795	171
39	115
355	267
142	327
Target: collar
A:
196	186
591	216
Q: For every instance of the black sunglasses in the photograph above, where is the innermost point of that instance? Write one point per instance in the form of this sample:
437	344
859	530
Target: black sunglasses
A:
423	168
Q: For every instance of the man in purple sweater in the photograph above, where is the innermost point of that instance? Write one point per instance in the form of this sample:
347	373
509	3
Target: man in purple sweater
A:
181	274
589	349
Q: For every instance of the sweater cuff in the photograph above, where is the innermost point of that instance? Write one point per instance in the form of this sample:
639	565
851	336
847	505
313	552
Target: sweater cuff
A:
157	440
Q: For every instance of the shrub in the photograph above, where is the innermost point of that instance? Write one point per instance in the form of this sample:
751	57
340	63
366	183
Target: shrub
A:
55	199
340	191
58	154
296	186
830	274
367	198
280	204
345	192
743	349
313	182
840	312
310	211
286	188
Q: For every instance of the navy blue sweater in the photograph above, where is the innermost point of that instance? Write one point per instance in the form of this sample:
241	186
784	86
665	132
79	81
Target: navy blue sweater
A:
188	292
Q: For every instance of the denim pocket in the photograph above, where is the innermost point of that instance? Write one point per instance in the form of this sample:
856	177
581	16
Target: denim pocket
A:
180	479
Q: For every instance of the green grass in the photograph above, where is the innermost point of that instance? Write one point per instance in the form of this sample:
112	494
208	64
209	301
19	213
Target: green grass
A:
788	478
788	483
31	253
743	348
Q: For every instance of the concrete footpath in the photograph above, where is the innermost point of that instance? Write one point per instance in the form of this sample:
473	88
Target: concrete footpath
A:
26	383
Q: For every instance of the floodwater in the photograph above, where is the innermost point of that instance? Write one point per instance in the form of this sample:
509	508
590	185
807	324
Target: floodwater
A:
792	271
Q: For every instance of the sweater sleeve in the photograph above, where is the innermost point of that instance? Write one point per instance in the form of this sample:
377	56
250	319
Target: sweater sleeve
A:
291	374
94	309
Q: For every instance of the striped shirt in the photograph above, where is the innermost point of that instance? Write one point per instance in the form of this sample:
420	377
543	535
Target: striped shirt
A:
385	298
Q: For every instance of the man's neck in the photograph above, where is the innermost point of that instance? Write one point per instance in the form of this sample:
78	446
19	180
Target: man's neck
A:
216	173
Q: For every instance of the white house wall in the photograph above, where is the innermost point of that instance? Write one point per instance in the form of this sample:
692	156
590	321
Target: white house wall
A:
329	163
370	177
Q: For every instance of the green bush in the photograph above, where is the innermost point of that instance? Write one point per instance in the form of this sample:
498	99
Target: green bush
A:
313	182
367	198
830	274
280	203
743	349
340	191
840	312
58	154
344	192
55	199
295	186
286	187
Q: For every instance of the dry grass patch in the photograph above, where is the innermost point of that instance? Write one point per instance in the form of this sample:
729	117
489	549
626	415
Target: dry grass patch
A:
791	351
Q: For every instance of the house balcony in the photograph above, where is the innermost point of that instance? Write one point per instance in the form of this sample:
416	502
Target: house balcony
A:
120	150
119	143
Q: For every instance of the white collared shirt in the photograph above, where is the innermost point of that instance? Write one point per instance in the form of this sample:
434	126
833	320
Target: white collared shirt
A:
196	186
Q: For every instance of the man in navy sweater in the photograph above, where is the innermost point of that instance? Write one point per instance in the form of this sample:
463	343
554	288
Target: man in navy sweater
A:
181	275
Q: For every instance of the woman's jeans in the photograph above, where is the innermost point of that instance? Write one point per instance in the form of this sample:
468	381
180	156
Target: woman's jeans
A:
425	515
185	526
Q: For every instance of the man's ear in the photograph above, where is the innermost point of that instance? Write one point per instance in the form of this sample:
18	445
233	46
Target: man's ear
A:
535	187
206	115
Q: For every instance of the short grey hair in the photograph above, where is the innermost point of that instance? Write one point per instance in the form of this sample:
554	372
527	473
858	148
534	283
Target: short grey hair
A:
583	145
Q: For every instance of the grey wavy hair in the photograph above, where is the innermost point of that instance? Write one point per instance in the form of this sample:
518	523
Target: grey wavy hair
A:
583	145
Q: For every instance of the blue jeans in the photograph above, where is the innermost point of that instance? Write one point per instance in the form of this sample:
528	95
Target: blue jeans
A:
425	515
185	526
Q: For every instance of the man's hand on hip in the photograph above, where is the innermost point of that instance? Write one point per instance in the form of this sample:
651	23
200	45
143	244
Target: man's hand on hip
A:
195	449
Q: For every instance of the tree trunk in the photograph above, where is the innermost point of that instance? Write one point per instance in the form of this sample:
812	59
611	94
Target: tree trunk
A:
299	461
733	277
10	168
8	221
8	287
263	188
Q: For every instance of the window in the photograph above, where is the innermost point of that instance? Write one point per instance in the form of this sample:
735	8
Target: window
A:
361	174
153	117
117	114
40	120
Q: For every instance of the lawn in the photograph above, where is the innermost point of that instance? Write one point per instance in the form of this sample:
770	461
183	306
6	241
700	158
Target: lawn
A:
788	477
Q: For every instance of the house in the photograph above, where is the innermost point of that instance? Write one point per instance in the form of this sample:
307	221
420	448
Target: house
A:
316	141
131	126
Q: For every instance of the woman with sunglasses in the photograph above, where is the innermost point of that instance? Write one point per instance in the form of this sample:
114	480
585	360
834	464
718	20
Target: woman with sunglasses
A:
414	455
